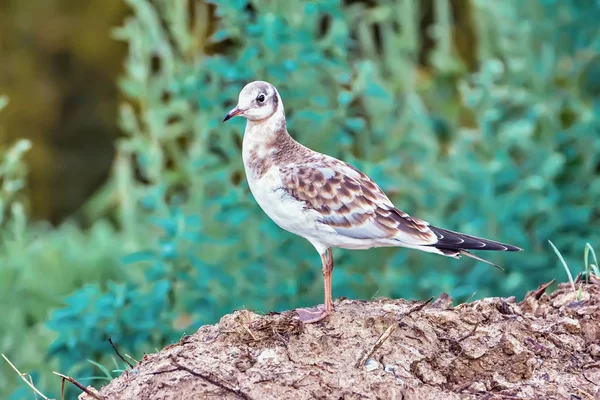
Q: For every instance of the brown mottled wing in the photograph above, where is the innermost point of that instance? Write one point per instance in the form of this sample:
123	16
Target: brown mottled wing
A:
352	204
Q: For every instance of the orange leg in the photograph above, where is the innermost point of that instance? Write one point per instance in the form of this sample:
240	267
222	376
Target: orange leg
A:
316	314
327	261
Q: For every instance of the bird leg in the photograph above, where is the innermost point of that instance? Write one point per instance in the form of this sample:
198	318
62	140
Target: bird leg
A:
316	314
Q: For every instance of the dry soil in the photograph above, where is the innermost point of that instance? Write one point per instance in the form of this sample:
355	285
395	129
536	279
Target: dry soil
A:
544	347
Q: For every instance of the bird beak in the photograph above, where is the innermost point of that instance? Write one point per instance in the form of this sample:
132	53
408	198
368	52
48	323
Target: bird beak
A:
233	113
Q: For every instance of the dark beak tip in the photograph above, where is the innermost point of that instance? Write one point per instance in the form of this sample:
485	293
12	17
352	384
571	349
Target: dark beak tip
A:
232	113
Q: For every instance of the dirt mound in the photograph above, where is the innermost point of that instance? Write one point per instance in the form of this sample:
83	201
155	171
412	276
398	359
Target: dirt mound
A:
545	347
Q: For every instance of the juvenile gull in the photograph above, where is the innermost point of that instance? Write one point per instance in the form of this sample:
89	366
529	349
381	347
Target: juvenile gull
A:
327	201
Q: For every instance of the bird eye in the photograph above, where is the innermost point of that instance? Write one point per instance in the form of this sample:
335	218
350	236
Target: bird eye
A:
261	98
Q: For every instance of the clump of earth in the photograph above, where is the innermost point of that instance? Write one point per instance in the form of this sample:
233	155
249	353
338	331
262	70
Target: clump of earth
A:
544	347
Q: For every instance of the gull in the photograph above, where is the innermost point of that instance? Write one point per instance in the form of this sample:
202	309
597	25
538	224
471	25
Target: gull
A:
327	201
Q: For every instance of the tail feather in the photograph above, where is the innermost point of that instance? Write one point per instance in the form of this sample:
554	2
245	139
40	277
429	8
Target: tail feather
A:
458	253
459	241
466	253
455	244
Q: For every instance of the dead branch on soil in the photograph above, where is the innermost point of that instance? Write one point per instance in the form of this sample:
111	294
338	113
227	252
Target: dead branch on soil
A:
387	333
540	291
22	376
119	354
589	380
79	385
209	377
470	333
382	338
246	327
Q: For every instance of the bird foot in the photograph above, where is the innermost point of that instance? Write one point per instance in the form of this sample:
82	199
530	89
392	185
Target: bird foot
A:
312	315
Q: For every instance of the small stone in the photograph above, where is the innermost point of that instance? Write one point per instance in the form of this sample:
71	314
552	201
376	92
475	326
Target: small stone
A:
563	299
510	345
594	350
478	387
178	351
428	375
586	311
571	325
391	308
473	349
266	354
390	368
443	302
500	382
533	363
371	365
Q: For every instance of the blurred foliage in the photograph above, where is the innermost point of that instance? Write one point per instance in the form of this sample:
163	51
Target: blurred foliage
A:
509	151
58	68
39	265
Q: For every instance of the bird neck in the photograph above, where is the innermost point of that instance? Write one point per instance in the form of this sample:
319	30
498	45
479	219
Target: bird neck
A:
265	136
268	144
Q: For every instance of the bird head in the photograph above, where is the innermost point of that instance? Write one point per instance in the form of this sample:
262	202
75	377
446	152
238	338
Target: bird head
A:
258	101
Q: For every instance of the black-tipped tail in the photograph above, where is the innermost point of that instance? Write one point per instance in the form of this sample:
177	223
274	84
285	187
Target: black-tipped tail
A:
459	241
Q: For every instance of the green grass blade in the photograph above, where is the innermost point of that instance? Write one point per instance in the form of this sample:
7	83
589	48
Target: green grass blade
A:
93	378
593	267
102	368
562	260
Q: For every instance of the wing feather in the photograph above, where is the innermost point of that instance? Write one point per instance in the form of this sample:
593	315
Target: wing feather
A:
351	203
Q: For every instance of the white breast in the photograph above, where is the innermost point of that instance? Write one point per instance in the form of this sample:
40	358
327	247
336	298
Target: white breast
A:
283	209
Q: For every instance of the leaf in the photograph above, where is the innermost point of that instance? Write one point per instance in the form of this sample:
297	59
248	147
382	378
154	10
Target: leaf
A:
138	256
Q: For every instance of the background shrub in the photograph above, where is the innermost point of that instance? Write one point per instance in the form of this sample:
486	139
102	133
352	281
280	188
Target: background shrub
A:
497	137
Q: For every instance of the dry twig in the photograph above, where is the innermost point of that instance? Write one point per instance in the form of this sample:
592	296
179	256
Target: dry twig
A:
540	291
246	327
589	380
119	354
387	333
382	338
22	376
79	385
470	333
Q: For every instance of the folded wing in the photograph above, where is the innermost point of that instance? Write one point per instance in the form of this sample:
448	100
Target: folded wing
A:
352	204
